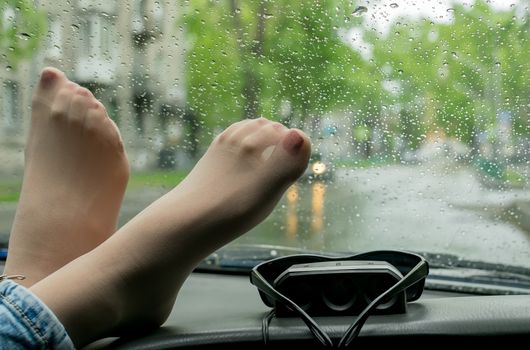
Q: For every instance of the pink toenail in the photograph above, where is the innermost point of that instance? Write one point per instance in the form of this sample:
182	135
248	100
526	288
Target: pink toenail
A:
48	76
293	142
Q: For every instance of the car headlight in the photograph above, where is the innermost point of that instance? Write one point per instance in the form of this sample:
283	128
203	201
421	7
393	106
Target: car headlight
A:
318	168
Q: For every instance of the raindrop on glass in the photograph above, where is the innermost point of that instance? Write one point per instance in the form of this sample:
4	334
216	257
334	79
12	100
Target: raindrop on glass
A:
24	36
359	11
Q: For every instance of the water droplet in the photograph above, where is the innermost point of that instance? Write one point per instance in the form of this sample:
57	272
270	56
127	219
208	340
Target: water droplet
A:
497	64
75	26
8	68
450	10
359	11
394	5
24	36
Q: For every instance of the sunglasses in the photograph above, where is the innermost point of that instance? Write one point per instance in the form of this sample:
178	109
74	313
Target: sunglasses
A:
412	267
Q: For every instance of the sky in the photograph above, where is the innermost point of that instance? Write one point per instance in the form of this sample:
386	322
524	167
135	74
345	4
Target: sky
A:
381	14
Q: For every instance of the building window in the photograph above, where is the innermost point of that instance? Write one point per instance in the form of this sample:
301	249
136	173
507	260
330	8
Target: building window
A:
9	16
55	38
11	117
97	35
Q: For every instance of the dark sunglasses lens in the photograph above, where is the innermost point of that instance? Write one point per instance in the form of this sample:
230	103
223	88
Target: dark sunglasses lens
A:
403	261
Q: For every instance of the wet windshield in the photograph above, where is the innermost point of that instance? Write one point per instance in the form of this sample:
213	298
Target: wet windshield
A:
418	111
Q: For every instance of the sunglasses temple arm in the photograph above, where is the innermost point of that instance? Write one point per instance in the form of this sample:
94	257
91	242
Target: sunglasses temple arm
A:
416	274
318	332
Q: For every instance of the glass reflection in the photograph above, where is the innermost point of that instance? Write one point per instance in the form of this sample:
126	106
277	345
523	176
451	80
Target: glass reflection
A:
291	214
297	220
318	191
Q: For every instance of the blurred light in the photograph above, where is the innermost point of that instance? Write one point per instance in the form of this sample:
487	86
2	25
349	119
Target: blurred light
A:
292	216
318	168
292	194
317	206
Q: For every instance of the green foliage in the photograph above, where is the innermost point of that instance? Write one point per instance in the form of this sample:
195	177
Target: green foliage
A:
457	77
250	58
160	178
22	27
9	190
283	51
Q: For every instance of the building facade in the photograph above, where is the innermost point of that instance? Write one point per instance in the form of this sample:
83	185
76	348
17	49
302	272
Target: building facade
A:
130	54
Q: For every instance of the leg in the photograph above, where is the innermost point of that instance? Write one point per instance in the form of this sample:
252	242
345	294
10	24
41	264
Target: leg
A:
133	277
75	177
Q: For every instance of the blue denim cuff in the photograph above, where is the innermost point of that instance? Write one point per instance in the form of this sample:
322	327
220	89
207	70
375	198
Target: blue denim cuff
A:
27	323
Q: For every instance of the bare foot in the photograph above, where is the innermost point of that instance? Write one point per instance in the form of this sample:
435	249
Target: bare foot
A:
75	176
233	187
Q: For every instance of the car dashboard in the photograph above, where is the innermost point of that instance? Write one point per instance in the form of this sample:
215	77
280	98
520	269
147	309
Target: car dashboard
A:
220	310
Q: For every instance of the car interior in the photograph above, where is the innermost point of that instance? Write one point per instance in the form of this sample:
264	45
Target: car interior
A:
225	311
411	224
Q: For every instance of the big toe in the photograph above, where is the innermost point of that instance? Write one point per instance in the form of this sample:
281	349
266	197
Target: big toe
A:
293	154
49	76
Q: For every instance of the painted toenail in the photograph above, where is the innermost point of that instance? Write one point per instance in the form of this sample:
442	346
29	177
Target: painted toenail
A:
293	142
48	76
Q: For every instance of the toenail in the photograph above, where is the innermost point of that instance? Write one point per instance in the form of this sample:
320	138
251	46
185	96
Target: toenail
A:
293	142
48	76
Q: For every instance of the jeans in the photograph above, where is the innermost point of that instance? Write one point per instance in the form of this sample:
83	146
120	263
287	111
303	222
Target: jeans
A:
26	323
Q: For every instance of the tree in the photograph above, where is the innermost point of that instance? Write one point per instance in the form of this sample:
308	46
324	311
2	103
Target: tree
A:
22	29
457	77
248	58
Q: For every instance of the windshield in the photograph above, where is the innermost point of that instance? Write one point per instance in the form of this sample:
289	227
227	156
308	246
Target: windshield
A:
418	111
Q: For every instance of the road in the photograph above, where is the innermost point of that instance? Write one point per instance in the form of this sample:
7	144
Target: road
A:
432	208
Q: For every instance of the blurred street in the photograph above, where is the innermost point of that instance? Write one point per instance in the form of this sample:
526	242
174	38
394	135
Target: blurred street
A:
434	208
422	208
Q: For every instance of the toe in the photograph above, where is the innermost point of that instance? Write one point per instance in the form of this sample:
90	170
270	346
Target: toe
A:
50	76
264	139
95	119
231	130
293	142
81	102
245	128
60	105
294	153
51	80
99	125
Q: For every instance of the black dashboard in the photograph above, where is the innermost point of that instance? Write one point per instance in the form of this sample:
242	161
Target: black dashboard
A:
217	310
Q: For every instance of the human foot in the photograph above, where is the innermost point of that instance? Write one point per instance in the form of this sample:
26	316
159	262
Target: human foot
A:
232	188
74	180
